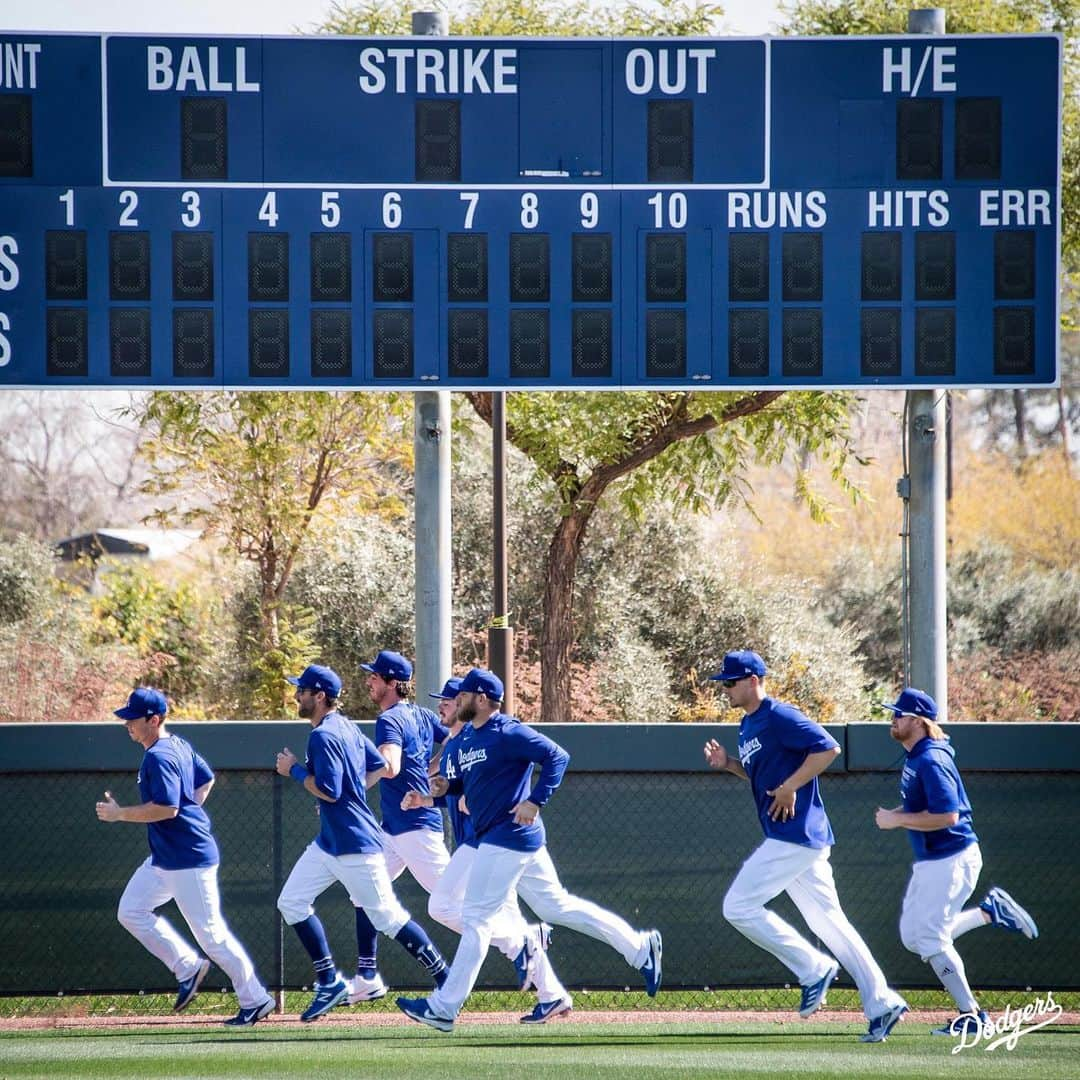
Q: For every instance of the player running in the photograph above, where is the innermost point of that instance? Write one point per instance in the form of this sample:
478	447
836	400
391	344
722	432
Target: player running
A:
174	782
937	815
782	753
494	769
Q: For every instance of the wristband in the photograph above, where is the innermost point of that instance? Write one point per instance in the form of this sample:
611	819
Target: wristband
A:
298	773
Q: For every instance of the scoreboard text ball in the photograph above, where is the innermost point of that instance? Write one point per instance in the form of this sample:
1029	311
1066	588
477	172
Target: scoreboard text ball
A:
394	212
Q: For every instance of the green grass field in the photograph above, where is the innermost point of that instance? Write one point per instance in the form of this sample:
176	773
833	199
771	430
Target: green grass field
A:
566	1051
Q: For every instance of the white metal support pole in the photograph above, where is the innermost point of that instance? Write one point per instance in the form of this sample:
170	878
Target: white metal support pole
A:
926	435
431	445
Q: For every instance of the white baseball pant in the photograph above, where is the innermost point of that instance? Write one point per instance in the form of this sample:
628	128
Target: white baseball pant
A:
364	877
932	916
508	926
805	874
196	894
420	851
496	874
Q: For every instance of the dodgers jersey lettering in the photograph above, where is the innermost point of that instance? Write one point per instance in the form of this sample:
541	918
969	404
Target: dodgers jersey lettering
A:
773	742
461	823
416	730
339	756
930	781
169	775
495	767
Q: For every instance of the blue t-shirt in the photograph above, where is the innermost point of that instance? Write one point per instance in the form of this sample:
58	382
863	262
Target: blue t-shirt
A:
460	823
774	741
930	781
339	756
169	775
494	764
416	730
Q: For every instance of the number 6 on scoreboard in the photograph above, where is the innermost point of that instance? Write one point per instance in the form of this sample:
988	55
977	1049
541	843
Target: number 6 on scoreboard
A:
472	198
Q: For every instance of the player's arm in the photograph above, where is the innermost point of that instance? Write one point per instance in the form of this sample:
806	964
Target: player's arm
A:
922	821
718	758
814	764
288	765
551	758
392	753
201	794
146	813
415	800
372	778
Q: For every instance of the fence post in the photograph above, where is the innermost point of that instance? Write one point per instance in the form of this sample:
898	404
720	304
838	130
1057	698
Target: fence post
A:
276	861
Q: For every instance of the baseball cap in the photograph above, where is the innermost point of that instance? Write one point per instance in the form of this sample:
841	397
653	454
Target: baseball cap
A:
740	664
451	689
390	665
317	677
912	702
479	681
144	701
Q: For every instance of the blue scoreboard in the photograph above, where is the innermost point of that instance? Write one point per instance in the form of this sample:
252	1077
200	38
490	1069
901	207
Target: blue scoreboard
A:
456	212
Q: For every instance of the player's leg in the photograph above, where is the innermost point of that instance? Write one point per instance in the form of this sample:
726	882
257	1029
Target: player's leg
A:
370	888
762	877
448	893
814	894
936	892
425	854
197	897
542	890
147	890
309	878
368	984
494	876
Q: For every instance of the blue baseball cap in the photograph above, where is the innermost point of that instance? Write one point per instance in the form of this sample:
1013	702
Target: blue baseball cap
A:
912	702
738	665
479	681
390	665
451	689
144	701
317	677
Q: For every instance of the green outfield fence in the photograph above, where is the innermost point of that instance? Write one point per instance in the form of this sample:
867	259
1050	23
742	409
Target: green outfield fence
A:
639	825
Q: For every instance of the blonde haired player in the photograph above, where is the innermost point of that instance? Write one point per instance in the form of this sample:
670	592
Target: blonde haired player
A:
937	815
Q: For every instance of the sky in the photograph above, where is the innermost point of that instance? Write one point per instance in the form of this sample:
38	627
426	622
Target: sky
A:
248	16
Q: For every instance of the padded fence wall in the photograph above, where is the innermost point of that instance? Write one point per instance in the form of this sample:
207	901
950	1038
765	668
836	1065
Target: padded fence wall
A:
638	826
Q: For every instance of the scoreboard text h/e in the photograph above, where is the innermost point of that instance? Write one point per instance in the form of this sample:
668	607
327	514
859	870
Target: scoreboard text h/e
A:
556	213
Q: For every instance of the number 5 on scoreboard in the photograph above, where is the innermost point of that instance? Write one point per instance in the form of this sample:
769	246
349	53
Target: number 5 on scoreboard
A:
472	198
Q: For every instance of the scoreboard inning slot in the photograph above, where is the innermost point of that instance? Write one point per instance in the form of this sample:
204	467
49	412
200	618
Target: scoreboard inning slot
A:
551	214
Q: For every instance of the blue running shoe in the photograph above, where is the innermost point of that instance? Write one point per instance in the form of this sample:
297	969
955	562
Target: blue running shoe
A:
326	997
250	1017
1005	912
880	1026
964	1024
813	996
545	1010
418	1009
652	969
189	987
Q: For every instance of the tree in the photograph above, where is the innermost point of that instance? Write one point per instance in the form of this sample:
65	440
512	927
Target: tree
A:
686	450
64	465
260	469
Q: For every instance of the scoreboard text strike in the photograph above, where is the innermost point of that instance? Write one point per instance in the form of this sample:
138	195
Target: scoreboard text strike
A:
349	212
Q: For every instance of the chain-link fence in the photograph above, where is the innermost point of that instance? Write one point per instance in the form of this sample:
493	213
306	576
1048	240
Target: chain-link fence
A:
659	848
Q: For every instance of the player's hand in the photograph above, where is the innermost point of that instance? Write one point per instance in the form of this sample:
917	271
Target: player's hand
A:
525	812
462	805
285	761
886	819
715	755
439	786
109	810
414	800
783	804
